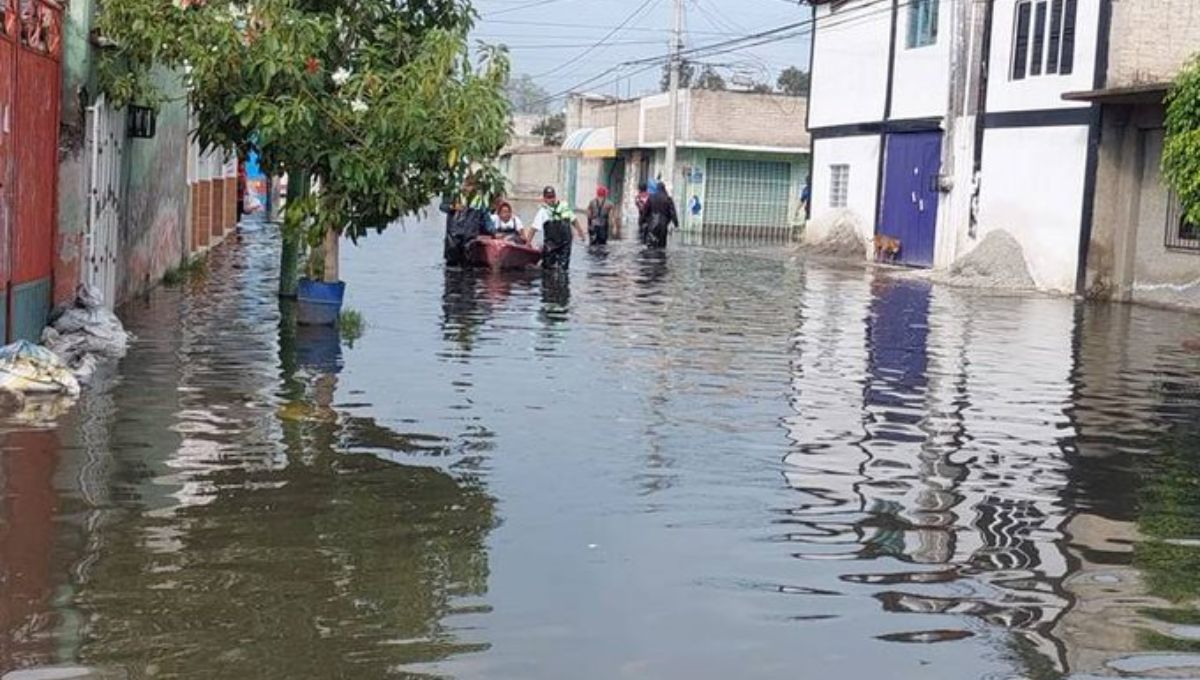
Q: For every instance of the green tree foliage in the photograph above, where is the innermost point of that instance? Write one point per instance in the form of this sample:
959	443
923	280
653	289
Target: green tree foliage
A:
709	79
552	129
376	101
526	96
1181	153
687	73
793	82
762	88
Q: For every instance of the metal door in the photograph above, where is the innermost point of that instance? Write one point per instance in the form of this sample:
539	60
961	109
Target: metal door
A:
7	83
910	194
746	197
35	169
106	144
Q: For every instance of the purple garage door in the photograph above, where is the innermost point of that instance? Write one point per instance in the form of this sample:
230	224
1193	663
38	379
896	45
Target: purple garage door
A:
910	194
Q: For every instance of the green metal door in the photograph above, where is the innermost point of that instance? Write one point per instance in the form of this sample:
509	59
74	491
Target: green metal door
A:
747	194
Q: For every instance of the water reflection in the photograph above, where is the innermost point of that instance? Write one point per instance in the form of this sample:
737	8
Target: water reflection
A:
965	486
248	526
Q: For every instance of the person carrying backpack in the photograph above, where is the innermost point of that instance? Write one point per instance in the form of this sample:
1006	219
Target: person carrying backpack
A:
600	215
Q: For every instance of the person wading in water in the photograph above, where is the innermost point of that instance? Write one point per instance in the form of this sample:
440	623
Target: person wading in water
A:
600	217
466	220
660	216
556	221
643	204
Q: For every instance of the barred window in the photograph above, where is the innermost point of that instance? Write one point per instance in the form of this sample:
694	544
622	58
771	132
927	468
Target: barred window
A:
1043	38
839	185
1181	233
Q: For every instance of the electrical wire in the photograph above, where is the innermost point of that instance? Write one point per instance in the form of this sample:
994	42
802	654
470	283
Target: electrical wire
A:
599	43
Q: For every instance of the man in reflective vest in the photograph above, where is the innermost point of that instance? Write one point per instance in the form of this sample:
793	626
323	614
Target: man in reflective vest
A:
556	220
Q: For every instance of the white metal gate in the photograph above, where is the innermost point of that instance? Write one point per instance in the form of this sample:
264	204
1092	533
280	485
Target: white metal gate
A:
106	144
748	194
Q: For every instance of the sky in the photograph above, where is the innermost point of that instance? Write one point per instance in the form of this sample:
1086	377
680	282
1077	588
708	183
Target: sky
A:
553	40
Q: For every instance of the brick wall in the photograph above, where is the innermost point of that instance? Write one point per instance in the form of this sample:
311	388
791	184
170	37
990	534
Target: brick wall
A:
203	225
218	209
750	119
1151	40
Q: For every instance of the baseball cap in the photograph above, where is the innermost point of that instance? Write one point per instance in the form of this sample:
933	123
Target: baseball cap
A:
548	192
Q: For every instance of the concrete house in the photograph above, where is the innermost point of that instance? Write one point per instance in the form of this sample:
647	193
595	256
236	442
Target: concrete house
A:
135	197
742	157
1141	249
938	122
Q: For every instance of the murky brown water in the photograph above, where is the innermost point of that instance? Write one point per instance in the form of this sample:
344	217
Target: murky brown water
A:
714	464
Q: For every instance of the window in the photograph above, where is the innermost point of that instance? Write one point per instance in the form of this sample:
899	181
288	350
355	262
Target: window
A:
922	23
1043	38
839	185
1182	234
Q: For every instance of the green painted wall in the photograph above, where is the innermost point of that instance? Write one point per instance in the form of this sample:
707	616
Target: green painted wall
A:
154	193
154	229
699	158
78	91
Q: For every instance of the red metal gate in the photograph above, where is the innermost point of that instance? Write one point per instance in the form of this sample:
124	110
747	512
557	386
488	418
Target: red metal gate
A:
8	57
31	47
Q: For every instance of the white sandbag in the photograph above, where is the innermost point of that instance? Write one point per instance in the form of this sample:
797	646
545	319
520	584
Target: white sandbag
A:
27	368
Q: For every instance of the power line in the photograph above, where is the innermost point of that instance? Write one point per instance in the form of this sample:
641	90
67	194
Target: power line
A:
776	34
599	43
518	8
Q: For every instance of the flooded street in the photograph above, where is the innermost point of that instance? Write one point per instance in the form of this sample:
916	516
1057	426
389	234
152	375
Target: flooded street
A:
721	463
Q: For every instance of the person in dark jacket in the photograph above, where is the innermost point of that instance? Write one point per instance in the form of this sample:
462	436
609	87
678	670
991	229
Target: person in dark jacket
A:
466	220
660	216
642	202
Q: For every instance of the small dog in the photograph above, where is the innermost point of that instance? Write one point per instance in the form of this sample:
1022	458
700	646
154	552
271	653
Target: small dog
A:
887	249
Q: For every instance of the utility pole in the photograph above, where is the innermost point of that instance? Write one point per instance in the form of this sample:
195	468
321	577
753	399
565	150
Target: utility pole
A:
676	66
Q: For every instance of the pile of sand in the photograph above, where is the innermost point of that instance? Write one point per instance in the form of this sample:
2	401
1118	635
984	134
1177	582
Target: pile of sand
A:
843	240
997	262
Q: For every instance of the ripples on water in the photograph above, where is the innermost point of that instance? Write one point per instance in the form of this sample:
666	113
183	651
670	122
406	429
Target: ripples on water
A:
718	462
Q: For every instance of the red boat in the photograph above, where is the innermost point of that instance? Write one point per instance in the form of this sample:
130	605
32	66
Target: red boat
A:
499	253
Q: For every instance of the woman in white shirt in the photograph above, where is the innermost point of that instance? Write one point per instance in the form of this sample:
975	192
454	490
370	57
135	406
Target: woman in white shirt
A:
508	225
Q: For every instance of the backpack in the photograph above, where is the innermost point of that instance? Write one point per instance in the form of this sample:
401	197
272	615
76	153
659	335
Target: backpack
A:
600	212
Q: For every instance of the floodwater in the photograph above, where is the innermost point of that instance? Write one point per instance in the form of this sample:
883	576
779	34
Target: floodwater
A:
719	463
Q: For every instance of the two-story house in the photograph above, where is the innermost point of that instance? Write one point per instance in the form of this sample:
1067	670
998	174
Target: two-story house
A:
938	121
1140	247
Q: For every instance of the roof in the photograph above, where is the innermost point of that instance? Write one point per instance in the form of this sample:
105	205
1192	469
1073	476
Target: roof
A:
591	143
1144	93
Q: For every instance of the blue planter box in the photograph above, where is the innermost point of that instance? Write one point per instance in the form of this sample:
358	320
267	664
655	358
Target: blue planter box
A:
318	303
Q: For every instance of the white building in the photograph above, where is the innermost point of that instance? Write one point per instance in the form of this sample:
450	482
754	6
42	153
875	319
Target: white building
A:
938	121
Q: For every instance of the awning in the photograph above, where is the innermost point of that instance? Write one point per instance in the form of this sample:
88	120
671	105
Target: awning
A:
591	143
1147	93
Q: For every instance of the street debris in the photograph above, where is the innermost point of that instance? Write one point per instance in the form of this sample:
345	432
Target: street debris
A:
86	334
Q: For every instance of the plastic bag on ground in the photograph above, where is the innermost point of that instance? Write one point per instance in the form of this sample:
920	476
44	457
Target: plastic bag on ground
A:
86	333
26	368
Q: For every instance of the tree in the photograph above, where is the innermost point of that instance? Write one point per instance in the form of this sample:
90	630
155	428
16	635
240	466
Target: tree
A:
553	129
709	79
762	88
1181	150
793	82
376	101
687	72
526	96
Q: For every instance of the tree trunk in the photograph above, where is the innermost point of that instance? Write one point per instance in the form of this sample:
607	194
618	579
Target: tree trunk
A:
289	257
330	248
